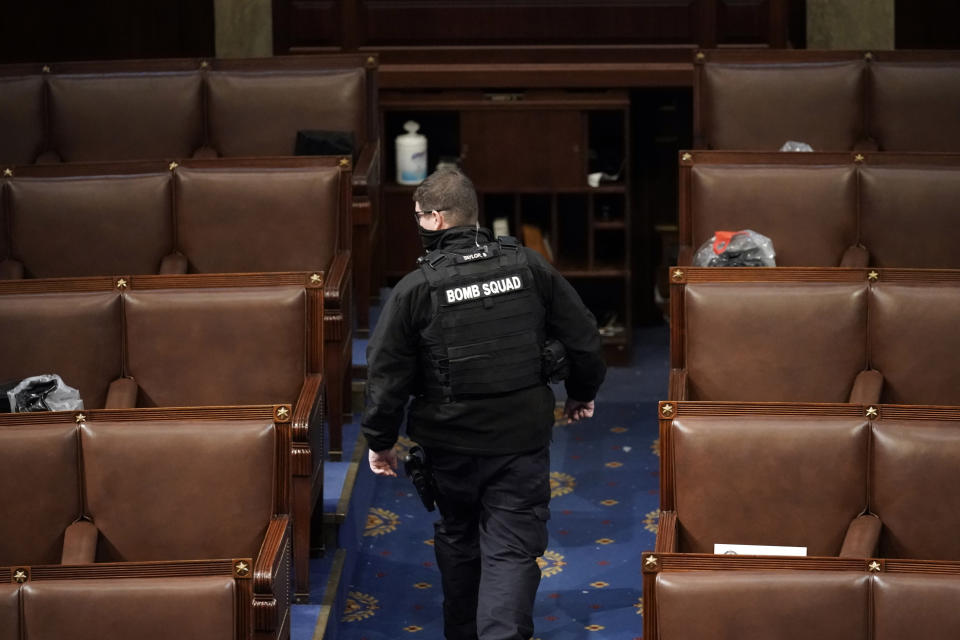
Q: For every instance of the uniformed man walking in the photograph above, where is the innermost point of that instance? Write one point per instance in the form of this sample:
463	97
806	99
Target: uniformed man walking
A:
464	334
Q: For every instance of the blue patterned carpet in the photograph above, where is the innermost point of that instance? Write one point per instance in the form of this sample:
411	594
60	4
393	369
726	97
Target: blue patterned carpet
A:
604	514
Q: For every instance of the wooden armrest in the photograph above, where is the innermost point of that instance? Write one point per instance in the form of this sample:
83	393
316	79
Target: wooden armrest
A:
366	168
205	152
867	387
271	576
173	264
337	281
122	394
309	415
48	157
678	385
80	543
855	256
11	269
666	533
862	537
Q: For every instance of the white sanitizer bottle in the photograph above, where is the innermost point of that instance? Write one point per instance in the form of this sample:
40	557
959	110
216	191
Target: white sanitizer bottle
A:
411	155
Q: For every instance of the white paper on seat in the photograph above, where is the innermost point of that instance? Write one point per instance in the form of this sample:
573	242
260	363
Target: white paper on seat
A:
758	550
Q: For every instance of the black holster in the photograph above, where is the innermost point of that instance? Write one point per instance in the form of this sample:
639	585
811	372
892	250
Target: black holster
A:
417	468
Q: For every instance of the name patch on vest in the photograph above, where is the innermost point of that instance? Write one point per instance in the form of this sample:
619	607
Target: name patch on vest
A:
485	289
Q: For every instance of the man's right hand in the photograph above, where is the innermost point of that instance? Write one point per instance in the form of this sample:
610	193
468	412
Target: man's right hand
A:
576	410
383	463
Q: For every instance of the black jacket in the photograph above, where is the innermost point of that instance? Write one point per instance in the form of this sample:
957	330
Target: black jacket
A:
512	422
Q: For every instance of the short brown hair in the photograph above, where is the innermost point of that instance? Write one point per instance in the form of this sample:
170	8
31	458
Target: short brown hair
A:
452	191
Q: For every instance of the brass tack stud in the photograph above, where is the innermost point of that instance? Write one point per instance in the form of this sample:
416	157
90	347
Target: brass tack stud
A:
687	156
371	61
80	418
874	567
315	278
172	166
241	568
873	276
8	173
677	274
667	410
701	56
868	56
204	64
45	68
344	163
872	412
283	413
859	158
122	283
650	562
21	575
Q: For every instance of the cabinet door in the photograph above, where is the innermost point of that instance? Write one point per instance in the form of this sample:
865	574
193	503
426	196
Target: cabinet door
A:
523	149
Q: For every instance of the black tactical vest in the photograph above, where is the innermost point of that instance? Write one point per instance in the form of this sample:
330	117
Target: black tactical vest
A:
487	329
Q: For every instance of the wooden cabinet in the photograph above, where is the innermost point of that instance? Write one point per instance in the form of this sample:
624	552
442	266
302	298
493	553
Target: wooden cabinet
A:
530	155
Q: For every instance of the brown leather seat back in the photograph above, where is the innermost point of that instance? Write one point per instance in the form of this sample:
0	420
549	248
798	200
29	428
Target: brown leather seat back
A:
794	342
239	220
789	605
126	116
810	213
914	105
908	216
179	490
76	335
258	112
914	342
91	225
914	475
206	346
786	481
10	612
21	119
41	488
916	606
761	106
194	608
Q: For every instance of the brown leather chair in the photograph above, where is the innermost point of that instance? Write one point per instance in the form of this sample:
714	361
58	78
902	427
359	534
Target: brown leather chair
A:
908	211
758	100
40	479
913	480
196	608
75	334
169	490
118	112
916	606
808	211
66	223
913	336
767	341
751	605
763	480
913	99
22	123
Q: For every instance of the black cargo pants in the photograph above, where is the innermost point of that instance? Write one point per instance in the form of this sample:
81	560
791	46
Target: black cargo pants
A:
493	526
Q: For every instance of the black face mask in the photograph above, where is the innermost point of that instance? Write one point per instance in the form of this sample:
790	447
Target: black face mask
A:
429	239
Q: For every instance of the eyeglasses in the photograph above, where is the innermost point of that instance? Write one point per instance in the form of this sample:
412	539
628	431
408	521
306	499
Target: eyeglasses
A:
419	214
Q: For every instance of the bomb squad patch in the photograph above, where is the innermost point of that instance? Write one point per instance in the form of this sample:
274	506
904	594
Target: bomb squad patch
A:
478	290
